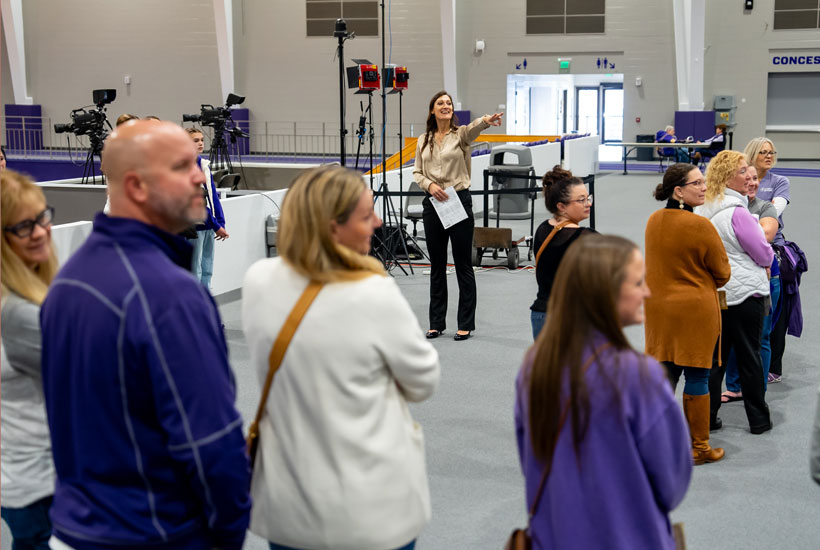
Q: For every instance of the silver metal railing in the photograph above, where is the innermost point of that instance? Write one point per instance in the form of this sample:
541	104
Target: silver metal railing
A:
34	138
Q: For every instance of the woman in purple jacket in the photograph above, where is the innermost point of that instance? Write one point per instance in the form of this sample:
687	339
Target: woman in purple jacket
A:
603	445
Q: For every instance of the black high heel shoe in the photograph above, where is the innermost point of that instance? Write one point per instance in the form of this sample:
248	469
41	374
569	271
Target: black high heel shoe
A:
432	333
459	337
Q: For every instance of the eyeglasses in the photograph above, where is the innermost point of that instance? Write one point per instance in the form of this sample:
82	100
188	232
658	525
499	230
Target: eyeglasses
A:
26	227
768	153
584	200
701	181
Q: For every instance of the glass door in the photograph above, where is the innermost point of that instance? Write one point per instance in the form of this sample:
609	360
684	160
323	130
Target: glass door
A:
586	110
612	116
522	108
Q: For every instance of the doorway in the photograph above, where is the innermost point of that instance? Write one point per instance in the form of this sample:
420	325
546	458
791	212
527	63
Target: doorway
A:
566	103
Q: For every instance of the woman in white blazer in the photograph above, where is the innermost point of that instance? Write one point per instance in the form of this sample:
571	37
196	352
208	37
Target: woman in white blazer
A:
341	462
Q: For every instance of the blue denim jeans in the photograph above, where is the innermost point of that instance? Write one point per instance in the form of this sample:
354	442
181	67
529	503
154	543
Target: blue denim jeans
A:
537	319
203	259
274	546
732	376
30	526
696	378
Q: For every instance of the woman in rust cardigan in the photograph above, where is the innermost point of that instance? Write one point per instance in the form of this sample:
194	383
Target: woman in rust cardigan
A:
685	265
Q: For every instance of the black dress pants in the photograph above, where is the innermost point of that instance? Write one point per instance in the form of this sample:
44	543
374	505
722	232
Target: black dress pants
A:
461	236
742	328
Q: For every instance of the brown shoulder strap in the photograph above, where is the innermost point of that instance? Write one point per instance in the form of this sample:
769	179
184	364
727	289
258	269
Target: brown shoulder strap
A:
561	421
280	346
552	234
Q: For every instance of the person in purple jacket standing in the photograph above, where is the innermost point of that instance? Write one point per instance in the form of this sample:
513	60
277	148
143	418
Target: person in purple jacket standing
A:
727	183
147	442
604	447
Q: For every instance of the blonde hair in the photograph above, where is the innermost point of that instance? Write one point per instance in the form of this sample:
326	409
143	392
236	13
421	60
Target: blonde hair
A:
125	117
754	147
17	277
317	197
721	169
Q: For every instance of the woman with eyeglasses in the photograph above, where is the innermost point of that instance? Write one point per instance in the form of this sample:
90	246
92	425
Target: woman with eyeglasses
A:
602	443
28	266
727	184
774	188
685	265
566	197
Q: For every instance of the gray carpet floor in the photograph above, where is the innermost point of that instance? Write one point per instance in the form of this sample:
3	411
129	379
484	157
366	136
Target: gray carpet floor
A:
760	496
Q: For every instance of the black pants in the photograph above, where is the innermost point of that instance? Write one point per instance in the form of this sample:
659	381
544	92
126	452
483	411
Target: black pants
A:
777	338
742	328
461	236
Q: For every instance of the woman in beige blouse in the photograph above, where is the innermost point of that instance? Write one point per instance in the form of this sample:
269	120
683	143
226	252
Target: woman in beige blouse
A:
442	161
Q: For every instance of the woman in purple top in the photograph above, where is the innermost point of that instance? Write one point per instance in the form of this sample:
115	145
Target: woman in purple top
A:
597	416
761	153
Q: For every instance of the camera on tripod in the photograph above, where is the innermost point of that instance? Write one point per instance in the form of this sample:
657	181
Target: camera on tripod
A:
218	117
89	122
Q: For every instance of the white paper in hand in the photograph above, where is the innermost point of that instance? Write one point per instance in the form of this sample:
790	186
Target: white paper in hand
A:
451	211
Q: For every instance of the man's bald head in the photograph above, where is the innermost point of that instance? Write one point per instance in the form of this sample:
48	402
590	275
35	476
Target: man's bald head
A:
153	175
130	145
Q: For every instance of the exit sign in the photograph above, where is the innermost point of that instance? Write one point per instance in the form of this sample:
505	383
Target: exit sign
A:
564	66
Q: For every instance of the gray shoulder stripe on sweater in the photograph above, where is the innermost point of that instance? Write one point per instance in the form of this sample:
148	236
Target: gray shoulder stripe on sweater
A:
186	424
219	434
130	426
91	290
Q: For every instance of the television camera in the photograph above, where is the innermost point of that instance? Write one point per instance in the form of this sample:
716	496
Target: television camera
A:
221	120
218	117
90	122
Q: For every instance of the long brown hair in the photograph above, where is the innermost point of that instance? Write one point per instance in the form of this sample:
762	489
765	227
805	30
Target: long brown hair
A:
431	120
583	301
17	277
316	197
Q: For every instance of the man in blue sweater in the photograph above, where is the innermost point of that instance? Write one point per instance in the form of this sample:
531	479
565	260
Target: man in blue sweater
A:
147	443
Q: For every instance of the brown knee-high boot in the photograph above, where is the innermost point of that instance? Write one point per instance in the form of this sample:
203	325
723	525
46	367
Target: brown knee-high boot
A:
696	408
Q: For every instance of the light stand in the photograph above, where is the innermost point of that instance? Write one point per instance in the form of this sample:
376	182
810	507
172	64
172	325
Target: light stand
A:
341	34
361	131
404	234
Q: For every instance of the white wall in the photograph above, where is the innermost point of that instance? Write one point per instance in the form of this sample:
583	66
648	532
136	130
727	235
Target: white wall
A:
642	31
289	76
245	221
169	49
581	155
232	257
738	59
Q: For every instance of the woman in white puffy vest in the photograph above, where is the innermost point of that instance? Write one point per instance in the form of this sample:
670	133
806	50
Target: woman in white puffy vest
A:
727	180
